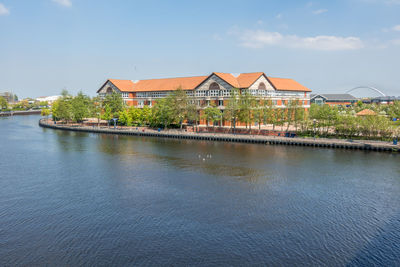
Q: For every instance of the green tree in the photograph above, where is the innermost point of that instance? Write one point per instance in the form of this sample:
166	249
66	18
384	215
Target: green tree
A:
299	113
192	112
115	103
232	109
95	109
212	114
125	118
3	103
80	107
247	104
179	104
136	114
62	109
45	112
163	112
269	116
145	115
107	114
258	114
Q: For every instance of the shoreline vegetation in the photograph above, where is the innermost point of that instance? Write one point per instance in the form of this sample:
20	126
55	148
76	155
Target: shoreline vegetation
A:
178	111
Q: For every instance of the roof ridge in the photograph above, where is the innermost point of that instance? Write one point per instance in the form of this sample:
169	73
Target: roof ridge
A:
198	76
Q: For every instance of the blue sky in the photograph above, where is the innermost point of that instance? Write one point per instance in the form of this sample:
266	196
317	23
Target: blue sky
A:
329	46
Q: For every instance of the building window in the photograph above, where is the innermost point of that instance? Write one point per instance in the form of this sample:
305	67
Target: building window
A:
125	95
201	93
262	86
226	92
109	90
214	92
220	103
214	86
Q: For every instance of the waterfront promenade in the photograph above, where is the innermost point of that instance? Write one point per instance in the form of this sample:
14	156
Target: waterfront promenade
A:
256	139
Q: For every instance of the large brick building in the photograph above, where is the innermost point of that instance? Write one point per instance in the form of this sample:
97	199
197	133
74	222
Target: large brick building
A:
215	87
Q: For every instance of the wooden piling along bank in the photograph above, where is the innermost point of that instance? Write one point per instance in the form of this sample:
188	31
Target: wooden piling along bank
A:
267	140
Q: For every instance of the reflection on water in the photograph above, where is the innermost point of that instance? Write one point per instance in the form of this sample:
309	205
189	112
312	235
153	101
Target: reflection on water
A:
69	198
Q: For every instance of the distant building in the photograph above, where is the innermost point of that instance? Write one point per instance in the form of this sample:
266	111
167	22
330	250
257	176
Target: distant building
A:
48	99
10	97
381	100
333	99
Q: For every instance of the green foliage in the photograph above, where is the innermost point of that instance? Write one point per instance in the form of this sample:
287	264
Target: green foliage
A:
115	103
3	103
107	113
179	102
125	118
45	112
232	109
80	107
246	106
212	114
163	113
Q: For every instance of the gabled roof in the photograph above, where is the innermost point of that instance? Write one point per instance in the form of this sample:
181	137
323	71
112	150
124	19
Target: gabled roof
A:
247	79
229	78
338	97
285	84
123	85
243	80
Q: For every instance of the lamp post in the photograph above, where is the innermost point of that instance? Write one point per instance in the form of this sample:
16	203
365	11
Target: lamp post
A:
115	122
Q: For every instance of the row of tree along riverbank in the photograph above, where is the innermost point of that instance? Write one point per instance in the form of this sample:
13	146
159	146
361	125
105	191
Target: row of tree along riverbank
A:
177	110
256	139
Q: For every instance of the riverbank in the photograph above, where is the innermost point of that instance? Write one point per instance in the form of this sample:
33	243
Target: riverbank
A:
20	112
267	140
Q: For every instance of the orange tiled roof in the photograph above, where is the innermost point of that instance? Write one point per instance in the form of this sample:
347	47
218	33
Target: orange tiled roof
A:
229	78
285	84
244	80
123	85
168	84
247	79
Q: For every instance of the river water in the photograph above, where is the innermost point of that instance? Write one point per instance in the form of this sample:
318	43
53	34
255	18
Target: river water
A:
73	199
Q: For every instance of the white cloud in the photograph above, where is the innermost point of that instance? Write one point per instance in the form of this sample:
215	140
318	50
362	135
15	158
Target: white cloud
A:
386	2
66	3
319	11
279	16
259	39
217	37
3	10
396	28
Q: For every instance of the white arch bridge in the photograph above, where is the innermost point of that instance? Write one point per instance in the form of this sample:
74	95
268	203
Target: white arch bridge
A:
367	87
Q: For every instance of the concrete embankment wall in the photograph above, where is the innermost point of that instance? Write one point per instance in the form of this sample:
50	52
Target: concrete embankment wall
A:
13	113
267	140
